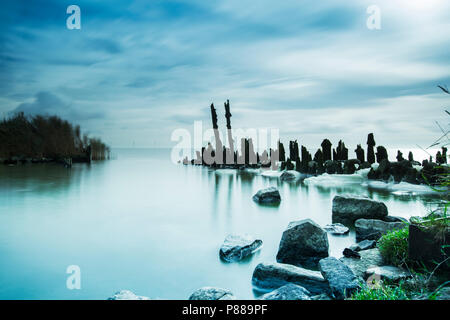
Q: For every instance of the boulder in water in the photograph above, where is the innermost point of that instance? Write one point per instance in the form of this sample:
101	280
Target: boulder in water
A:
289	291
336	229
237	247
212	293
127	295
372	229
303	243
290	175
348	209
269	195
276	275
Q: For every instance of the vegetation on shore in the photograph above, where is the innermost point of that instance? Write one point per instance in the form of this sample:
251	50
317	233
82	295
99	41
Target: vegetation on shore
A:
428	280
394	247
47	138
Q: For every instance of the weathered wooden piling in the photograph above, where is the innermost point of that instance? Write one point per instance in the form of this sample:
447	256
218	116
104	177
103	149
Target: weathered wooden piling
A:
381	154
359	153
293	150
399	156
370	148
230	152
341	151
281	152
326	149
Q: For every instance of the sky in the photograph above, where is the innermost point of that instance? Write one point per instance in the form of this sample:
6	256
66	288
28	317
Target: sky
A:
138	70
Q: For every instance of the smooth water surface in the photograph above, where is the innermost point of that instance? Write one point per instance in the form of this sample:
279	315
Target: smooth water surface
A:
150	226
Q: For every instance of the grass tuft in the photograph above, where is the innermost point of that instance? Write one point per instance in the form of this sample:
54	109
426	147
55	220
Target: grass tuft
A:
394	246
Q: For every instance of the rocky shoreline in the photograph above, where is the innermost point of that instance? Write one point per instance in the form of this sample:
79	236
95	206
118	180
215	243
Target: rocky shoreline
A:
304	270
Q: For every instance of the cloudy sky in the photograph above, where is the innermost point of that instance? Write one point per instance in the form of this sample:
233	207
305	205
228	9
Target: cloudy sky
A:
137	70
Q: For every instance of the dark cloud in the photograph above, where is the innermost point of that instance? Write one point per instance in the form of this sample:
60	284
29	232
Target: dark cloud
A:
309	66
46	103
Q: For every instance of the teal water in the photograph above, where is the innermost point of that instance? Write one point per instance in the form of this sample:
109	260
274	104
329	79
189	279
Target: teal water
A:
145	224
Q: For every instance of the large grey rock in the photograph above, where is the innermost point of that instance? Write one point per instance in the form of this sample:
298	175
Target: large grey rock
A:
275	275
348	209
212	293
389	273
363	245
336	229
237	247
289	291
127	295
369	258
269	195
303	243
372	229
290	175
340	277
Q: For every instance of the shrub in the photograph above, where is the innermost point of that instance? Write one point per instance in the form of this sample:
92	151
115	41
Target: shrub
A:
394	246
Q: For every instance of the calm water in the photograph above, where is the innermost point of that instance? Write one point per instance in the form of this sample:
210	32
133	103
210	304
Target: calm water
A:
144	224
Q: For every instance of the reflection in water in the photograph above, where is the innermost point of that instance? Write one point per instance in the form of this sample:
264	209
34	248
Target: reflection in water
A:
144	224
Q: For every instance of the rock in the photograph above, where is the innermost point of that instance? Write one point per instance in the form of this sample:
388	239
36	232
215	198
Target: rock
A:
340	277
126	295
322	296
288	292
348	209
275	275
237	247
270	195
350	166
389	273
372	229
363	245
211	293
395	219
332	166
313	166
349	253
384	167
336	229
365	165
426	245
303	243
369	258
290	175
400	169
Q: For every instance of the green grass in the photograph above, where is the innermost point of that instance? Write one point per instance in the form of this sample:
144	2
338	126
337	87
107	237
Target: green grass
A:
394	246
381	292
